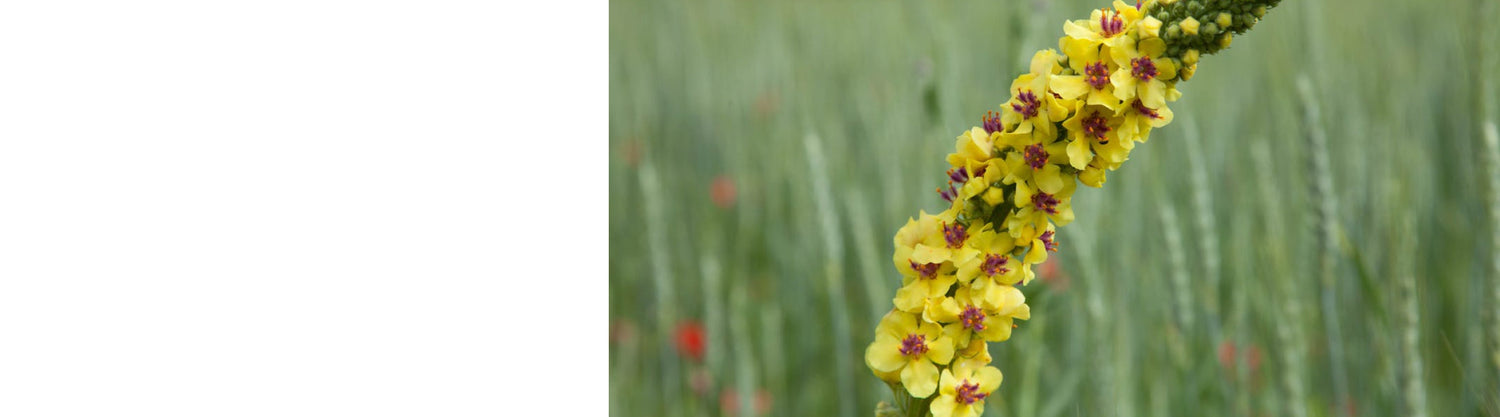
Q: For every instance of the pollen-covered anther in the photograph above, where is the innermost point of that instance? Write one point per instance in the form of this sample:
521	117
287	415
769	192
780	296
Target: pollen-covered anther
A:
1028	105
994	264
968	393
1036	156
1096	74
992	122
913	345
1110	23
1096	126
927	271
948	194
1044	202
1047	241
955	234
972	318
1143	68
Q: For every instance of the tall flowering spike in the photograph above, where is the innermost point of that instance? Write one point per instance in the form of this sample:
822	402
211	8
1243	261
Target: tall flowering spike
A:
1071	118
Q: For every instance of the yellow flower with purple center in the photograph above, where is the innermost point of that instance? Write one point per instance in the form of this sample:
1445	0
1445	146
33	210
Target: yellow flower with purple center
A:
1032	107
1138	119
969	315
1094	131
964	388
1141	70
1091	67
911	348
993	262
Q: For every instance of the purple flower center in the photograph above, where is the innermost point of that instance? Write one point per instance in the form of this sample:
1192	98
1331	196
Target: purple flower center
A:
927	271
994	263
1036	156
1110	23
1142	109
992	122
968	393
1097	75
913	345
1143	68
1028	105
955	234
1047	241
972	318
1096	126
1044	202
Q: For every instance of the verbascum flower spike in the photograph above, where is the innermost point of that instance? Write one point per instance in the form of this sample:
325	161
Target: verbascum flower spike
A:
1075	115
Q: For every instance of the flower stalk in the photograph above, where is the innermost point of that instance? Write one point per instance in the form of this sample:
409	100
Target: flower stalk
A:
1074	116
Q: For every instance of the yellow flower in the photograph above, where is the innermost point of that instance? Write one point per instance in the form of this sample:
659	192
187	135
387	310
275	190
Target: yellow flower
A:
1032	106
925	273
974	165
1036	159
969	314
964	388
1141	70
993	261
1139	119
1091	67
1103	24
974	147
914	349
1039	206
1094	130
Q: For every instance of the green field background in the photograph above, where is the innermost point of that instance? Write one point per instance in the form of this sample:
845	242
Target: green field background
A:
1314	234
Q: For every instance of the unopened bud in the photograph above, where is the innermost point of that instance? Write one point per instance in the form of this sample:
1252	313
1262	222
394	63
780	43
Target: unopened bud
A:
1225	40
1189	26
1224	20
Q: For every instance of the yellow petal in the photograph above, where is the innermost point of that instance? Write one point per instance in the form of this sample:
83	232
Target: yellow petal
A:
1078	154
941	310
1038	253
920	378
1049	179
1124	84
1078	31
989	378
1153	94
885	355
940	351
1152	47
911	298
1069	86
945	406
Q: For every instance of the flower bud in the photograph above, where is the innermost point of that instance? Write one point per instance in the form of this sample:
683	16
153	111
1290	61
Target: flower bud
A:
1224	20
1189	26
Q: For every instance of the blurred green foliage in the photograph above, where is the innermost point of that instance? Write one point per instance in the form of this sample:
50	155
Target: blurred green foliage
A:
763	153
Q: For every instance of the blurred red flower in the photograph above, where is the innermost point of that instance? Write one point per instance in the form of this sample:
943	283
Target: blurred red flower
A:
729	401
722	191
1053	275
689	338
1229	360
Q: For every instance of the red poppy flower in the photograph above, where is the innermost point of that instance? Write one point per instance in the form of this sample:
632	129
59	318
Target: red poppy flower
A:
690	340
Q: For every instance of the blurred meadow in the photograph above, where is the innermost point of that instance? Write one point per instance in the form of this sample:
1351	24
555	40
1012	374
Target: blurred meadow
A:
1314	235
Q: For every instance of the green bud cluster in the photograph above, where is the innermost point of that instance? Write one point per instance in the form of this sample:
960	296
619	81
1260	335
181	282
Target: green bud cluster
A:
1205	25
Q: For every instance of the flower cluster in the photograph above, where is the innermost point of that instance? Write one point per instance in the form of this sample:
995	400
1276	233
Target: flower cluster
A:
1074	117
